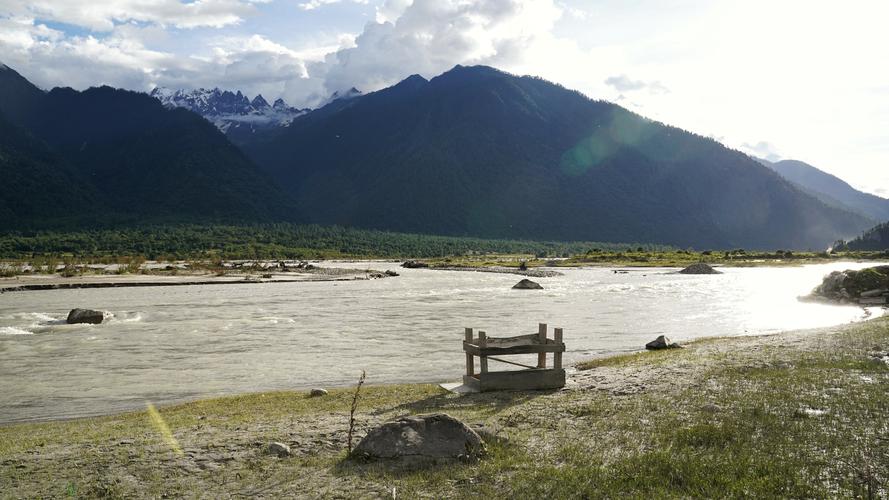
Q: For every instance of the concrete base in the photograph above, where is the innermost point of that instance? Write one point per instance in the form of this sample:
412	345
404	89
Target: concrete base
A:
521	380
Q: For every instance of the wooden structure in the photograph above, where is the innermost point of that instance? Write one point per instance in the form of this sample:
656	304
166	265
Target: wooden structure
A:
531	378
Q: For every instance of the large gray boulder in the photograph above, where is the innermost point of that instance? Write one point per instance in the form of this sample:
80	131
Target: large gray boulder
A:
699	268
420	439
527	284
86	316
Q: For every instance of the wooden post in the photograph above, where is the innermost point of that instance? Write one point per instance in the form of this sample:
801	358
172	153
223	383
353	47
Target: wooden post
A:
557	356
482	343
470	363
541	335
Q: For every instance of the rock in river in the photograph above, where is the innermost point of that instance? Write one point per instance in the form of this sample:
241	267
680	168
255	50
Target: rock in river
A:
86	316
422	438
699	268
414	264
527	284
661	342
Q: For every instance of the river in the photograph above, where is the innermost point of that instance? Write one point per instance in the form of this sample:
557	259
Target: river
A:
170	344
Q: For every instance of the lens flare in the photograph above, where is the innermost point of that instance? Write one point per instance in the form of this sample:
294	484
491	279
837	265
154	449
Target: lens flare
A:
158	421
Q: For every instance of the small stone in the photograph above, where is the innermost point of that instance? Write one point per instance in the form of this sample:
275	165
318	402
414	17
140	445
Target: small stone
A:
314	393
280	450
711	408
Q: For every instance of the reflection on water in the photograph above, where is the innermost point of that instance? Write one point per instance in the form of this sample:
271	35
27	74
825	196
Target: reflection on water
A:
173	343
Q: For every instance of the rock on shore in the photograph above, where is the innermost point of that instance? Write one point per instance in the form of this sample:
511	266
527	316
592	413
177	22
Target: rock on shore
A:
422	438
868	286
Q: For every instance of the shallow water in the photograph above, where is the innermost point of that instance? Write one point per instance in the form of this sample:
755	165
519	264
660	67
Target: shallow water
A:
175	343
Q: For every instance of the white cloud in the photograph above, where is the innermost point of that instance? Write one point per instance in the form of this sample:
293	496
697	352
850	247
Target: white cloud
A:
314	4
761	149
623	83
103	15
429	37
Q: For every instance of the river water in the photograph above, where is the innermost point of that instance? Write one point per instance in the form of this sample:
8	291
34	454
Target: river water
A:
169	344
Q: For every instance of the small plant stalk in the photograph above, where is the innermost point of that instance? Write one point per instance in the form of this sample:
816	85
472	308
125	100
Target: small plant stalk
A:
353	409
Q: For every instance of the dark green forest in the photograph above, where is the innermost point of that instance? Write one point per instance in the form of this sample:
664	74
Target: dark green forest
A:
273	241
874	239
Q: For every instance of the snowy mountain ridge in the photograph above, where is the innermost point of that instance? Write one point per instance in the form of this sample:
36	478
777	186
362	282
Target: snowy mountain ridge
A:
227	109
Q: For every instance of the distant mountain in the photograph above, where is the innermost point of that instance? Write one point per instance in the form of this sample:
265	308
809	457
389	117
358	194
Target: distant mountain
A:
873	239
831	189
232	112
39	188
17	95
476	151
124	157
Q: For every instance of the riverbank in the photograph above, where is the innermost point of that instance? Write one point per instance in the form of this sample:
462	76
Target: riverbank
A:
798	414
110	278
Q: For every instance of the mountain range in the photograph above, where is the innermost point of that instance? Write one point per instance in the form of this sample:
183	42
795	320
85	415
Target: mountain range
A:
831	189
474	151
106	155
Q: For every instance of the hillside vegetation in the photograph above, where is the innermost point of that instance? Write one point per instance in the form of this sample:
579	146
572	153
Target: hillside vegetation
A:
479	152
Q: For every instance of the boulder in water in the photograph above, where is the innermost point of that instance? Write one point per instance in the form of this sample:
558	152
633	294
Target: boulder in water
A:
414	264
86	316
527	284
661	342
422	438
700	268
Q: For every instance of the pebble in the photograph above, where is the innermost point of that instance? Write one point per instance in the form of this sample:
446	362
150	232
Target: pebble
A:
281	450
317	392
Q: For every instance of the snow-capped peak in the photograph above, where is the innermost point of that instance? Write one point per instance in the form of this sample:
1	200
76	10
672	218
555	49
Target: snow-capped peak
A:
227	109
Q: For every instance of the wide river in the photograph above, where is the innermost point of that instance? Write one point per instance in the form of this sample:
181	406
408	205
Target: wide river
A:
170	344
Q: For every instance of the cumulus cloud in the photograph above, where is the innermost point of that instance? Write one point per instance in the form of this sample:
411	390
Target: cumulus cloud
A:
761	149
623	83
121	59
103	15
406	37
429	37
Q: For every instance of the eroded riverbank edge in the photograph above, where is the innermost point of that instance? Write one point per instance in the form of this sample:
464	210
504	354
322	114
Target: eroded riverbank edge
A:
798	413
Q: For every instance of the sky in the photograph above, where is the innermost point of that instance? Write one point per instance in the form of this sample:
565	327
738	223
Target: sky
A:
787	79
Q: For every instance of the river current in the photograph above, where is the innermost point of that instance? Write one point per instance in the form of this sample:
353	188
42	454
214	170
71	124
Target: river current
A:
168	344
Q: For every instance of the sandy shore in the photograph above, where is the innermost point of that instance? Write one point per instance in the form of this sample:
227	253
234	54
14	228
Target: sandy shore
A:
56	281
703	414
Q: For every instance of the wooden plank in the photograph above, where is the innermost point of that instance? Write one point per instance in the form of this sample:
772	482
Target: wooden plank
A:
482	343
557	357
511	362
541	333
472	382
498	351
470	361
527	380
521	340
